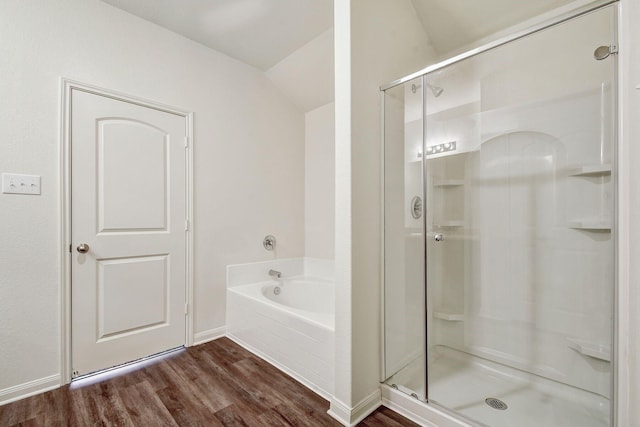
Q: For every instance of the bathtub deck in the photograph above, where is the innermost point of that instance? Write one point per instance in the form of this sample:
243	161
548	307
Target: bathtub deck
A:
213	384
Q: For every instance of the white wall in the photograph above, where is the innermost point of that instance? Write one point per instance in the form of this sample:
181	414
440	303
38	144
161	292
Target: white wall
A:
306	76
249	159
319	177
376	42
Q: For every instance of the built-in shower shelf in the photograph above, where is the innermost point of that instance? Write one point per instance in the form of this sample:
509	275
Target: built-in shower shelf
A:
597	351
449	224
449	183
591	170
595	224
446	314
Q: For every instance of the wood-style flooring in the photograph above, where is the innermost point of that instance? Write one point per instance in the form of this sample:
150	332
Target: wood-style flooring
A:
214	384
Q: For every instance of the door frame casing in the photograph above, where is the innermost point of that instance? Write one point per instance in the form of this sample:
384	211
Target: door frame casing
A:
66	86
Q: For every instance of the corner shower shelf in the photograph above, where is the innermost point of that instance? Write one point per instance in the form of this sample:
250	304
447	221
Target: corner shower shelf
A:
446	314
591	170
595	224
449	224
449	183
597	351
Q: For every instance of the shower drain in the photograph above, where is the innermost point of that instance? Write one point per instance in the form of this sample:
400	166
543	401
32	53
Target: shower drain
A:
496	403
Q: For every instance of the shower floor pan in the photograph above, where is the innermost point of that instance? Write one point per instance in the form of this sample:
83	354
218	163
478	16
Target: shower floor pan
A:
463	383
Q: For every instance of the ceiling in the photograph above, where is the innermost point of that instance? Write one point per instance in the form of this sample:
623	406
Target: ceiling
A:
454	24
258	32
292	40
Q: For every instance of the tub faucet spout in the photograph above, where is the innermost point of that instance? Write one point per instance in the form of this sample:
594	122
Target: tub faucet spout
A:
275	274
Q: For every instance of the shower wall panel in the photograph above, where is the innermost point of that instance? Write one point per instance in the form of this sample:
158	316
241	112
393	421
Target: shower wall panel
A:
514	155
524	275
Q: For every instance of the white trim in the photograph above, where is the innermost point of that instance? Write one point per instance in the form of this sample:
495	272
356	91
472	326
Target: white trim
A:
189	244
624	328
66	85
20	391
339	411
323	393
209	335
352	416
417	411
366	406
65	233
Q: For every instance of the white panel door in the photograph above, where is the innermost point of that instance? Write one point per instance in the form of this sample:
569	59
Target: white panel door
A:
128	215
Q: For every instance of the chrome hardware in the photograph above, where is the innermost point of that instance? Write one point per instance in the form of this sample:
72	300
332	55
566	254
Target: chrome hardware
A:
438	237
275	274
83	248
269	242
277	290
416	207
603	52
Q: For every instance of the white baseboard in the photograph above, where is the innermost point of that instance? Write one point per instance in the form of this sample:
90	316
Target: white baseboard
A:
340	412
210	335
30	388
352	416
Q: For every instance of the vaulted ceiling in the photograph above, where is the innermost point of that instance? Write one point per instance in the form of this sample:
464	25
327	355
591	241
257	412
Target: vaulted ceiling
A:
454	24
292	38
258	32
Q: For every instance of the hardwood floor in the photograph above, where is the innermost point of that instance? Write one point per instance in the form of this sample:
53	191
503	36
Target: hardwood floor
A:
213	384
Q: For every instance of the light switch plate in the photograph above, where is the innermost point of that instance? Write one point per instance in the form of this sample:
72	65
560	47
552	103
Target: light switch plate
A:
13	183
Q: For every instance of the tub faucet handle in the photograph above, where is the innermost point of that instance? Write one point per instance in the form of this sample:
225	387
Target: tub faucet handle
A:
269	242
275	274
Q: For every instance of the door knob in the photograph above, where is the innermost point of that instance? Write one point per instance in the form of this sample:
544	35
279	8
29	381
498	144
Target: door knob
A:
83	248
438	237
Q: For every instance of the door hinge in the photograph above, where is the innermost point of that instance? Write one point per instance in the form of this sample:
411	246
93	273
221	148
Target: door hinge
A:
613	48
186	309
186	141
70	248
186	225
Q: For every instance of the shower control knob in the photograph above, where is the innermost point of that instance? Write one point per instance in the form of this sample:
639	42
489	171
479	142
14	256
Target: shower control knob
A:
439	237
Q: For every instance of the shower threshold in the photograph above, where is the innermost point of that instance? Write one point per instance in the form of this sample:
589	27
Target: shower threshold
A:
468	384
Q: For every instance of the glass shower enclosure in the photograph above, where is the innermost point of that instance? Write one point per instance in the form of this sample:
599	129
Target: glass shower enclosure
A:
499	229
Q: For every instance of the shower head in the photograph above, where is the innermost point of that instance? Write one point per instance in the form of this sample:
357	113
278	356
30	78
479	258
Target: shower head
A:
436	90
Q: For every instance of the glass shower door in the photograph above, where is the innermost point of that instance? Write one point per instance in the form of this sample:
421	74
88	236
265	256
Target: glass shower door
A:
404	299
520	209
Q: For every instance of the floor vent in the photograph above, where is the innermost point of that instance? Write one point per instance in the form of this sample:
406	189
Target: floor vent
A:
496	403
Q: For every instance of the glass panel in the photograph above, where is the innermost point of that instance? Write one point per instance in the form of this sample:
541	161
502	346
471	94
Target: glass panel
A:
519	245
404	308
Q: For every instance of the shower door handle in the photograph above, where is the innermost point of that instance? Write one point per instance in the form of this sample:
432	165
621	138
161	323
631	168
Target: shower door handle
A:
439	237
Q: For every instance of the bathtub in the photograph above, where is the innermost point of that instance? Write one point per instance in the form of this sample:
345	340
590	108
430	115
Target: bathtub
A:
289	322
